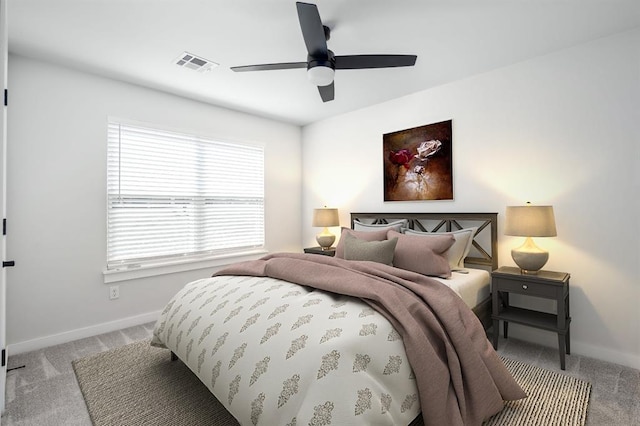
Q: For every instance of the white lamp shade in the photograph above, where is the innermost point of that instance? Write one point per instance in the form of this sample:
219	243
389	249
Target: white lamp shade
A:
320	75
530	221
325	217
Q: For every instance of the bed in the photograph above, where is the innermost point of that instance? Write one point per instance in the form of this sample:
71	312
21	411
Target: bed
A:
297	339
475	286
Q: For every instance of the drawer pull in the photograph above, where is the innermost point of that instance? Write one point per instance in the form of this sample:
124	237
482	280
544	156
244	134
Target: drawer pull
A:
524	286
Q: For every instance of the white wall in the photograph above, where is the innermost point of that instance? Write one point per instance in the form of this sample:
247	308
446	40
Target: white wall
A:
56	197
562	129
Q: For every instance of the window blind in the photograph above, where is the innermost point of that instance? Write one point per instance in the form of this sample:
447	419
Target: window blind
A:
175	196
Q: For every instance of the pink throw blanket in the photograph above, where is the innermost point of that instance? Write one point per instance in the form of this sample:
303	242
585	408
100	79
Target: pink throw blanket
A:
460	378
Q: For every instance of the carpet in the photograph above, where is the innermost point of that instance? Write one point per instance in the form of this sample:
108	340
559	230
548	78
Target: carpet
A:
139	385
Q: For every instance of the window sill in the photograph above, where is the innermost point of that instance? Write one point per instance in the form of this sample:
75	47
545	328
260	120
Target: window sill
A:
126	274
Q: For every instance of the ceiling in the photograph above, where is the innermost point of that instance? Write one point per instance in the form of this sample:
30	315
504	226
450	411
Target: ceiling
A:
137	41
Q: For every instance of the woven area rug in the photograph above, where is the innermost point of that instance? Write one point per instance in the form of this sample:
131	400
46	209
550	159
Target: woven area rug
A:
139	385
554	399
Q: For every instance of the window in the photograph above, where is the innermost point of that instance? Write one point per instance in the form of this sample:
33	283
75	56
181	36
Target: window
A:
176	197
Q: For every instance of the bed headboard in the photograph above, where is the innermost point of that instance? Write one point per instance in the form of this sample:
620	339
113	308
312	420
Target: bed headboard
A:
484	251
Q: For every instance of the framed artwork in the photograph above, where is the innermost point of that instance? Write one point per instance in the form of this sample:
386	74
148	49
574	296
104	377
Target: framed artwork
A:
418	164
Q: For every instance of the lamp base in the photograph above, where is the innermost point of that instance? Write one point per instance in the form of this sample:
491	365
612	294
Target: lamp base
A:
529	257
325	239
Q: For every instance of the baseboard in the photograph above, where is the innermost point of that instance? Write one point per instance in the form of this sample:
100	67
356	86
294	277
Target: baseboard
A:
616	357
550	340
80	333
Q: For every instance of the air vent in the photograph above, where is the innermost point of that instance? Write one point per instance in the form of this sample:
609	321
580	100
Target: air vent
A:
196	63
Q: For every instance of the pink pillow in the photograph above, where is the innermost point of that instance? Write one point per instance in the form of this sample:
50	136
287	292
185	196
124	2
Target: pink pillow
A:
422	255
380	235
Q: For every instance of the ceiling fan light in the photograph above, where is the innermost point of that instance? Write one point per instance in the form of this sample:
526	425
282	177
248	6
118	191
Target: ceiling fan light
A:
321	75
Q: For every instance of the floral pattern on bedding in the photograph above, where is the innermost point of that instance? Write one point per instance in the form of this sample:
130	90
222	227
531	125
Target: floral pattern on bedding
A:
277	353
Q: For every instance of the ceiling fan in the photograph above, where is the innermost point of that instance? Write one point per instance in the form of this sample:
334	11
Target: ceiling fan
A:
321	62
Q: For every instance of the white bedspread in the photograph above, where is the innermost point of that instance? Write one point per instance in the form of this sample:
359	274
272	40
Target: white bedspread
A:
276	353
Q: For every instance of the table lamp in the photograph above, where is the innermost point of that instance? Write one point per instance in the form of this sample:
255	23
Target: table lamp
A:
324	218
530	221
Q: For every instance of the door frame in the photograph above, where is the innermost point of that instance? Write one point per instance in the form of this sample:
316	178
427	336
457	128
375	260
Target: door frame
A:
4	53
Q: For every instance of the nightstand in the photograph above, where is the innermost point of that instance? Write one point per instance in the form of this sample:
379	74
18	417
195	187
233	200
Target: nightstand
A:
545	284
318	250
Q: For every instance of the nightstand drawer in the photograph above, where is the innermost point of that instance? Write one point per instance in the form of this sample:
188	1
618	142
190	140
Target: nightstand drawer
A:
523	287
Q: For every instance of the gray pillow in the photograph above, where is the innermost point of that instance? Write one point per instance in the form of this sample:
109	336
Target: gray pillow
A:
374	251
376	235
396	225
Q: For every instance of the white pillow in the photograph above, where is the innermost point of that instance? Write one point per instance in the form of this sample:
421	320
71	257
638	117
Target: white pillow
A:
459	250
395	225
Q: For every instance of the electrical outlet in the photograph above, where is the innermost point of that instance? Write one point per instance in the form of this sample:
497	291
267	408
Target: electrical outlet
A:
114	292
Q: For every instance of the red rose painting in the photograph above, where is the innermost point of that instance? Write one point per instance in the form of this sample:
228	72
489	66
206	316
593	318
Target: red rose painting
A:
418	163
401	157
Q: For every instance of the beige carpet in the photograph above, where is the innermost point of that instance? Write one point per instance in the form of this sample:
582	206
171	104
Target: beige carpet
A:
139	385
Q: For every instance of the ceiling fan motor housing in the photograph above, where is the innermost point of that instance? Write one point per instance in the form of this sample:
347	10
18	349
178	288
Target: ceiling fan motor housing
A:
321	71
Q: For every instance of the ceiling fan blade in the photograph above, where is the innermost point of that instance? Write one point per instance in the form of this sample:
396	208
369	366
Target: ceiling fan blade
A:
354	62
269	67
327	92
312	30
